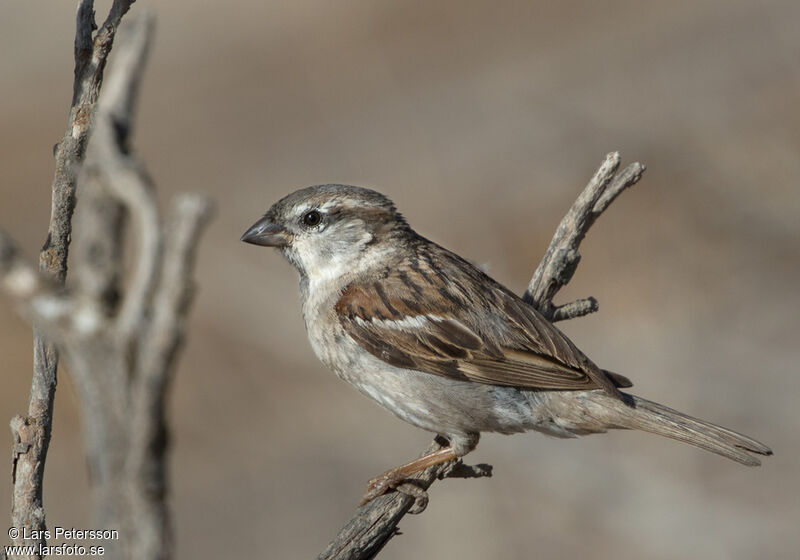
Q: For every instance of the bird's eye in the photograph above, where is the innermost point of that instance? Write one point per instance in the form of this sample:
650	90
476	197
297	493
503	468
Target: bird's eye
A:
312	218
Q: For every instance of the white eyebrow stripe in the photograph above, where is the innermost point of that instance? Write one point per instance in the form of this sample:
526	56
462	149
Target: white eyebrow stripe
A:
413	321
303	208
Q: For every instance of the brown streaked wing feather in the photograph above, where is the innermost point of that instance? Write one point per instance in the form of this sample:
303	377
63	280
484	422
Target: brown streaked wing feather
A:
389	328
546	339
619	380
527	370
385	317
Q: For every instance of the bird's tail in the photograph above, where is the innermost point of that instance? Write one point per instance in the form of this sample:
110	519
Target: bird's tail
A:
640	414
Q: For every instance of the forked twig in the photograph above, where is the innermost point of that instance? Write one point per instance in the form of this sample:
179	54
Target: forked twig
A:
31	432
121	346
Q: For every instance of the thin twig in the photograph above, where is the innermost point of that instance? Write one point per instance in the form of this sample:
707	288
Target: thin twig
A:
42	299
375	523
32	442
150	320
366	533
124	176
562	257
161	339
121	347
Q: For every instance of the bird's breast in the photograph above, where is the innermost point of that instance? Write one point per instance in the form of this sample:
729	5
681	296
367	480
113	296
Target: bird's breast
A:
325	333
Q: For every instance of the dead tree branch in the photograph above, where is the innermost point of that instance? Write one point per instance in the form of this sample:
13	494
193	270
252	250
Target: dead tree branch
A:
375	523
31	432
121	346
562	257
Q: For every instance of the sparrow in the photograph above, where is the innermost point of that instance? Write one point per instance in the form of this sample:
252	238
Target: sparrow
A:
443	346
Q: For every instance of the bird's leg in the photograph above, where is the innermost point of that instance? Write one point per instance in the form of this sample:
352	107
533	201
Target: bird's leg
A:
393	478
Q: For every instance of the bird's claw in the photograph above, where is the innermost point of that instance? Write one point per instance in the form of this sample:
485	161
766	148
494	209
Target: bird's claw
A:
386	482
420	497
380	485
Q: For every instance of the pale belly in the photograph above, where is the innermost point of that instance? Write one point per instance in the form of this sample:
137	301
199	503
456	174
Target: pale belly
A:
434	403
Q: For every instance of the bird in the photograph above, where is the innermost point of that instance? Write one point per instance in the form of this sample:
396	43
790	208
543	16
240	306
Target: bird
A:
443	346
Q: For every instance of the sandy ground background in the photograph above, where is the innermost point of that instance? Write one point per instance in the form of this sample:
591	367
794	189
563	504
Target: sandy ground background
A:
482	120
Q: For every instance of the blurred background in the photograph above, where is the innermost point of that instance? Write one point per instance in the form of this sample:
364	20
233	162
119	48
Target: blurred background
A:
482	120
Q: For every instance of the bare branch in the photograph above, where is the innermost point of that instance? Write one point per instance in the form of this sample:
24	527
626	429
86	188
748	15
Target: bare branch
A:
97	243
190	214
90	55
562	257
157	351
85	27
121	372
575	309
135	190
371	527
118	9
373	524
42	299
90	64
123	176
103	218
121	88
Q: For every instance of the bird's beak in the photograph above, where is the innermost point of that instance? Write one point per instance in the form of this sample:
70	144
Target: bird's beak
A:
267	234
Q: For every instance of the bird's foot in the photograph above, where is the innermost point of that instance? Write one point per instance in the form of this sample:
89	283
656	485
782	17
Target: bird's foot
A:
382	484
393	480
420	497
397	479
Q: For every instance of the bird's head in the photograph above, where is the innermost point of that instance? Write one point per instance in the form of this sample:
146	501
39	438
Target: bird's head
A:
329	229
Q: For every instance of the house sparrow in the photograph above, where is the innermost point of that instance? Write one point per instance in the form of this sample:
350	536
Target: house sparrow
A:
442	345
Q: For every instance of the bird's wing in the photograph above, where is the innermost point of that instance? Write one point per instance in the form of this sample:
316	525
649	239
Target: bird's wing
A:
414	318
